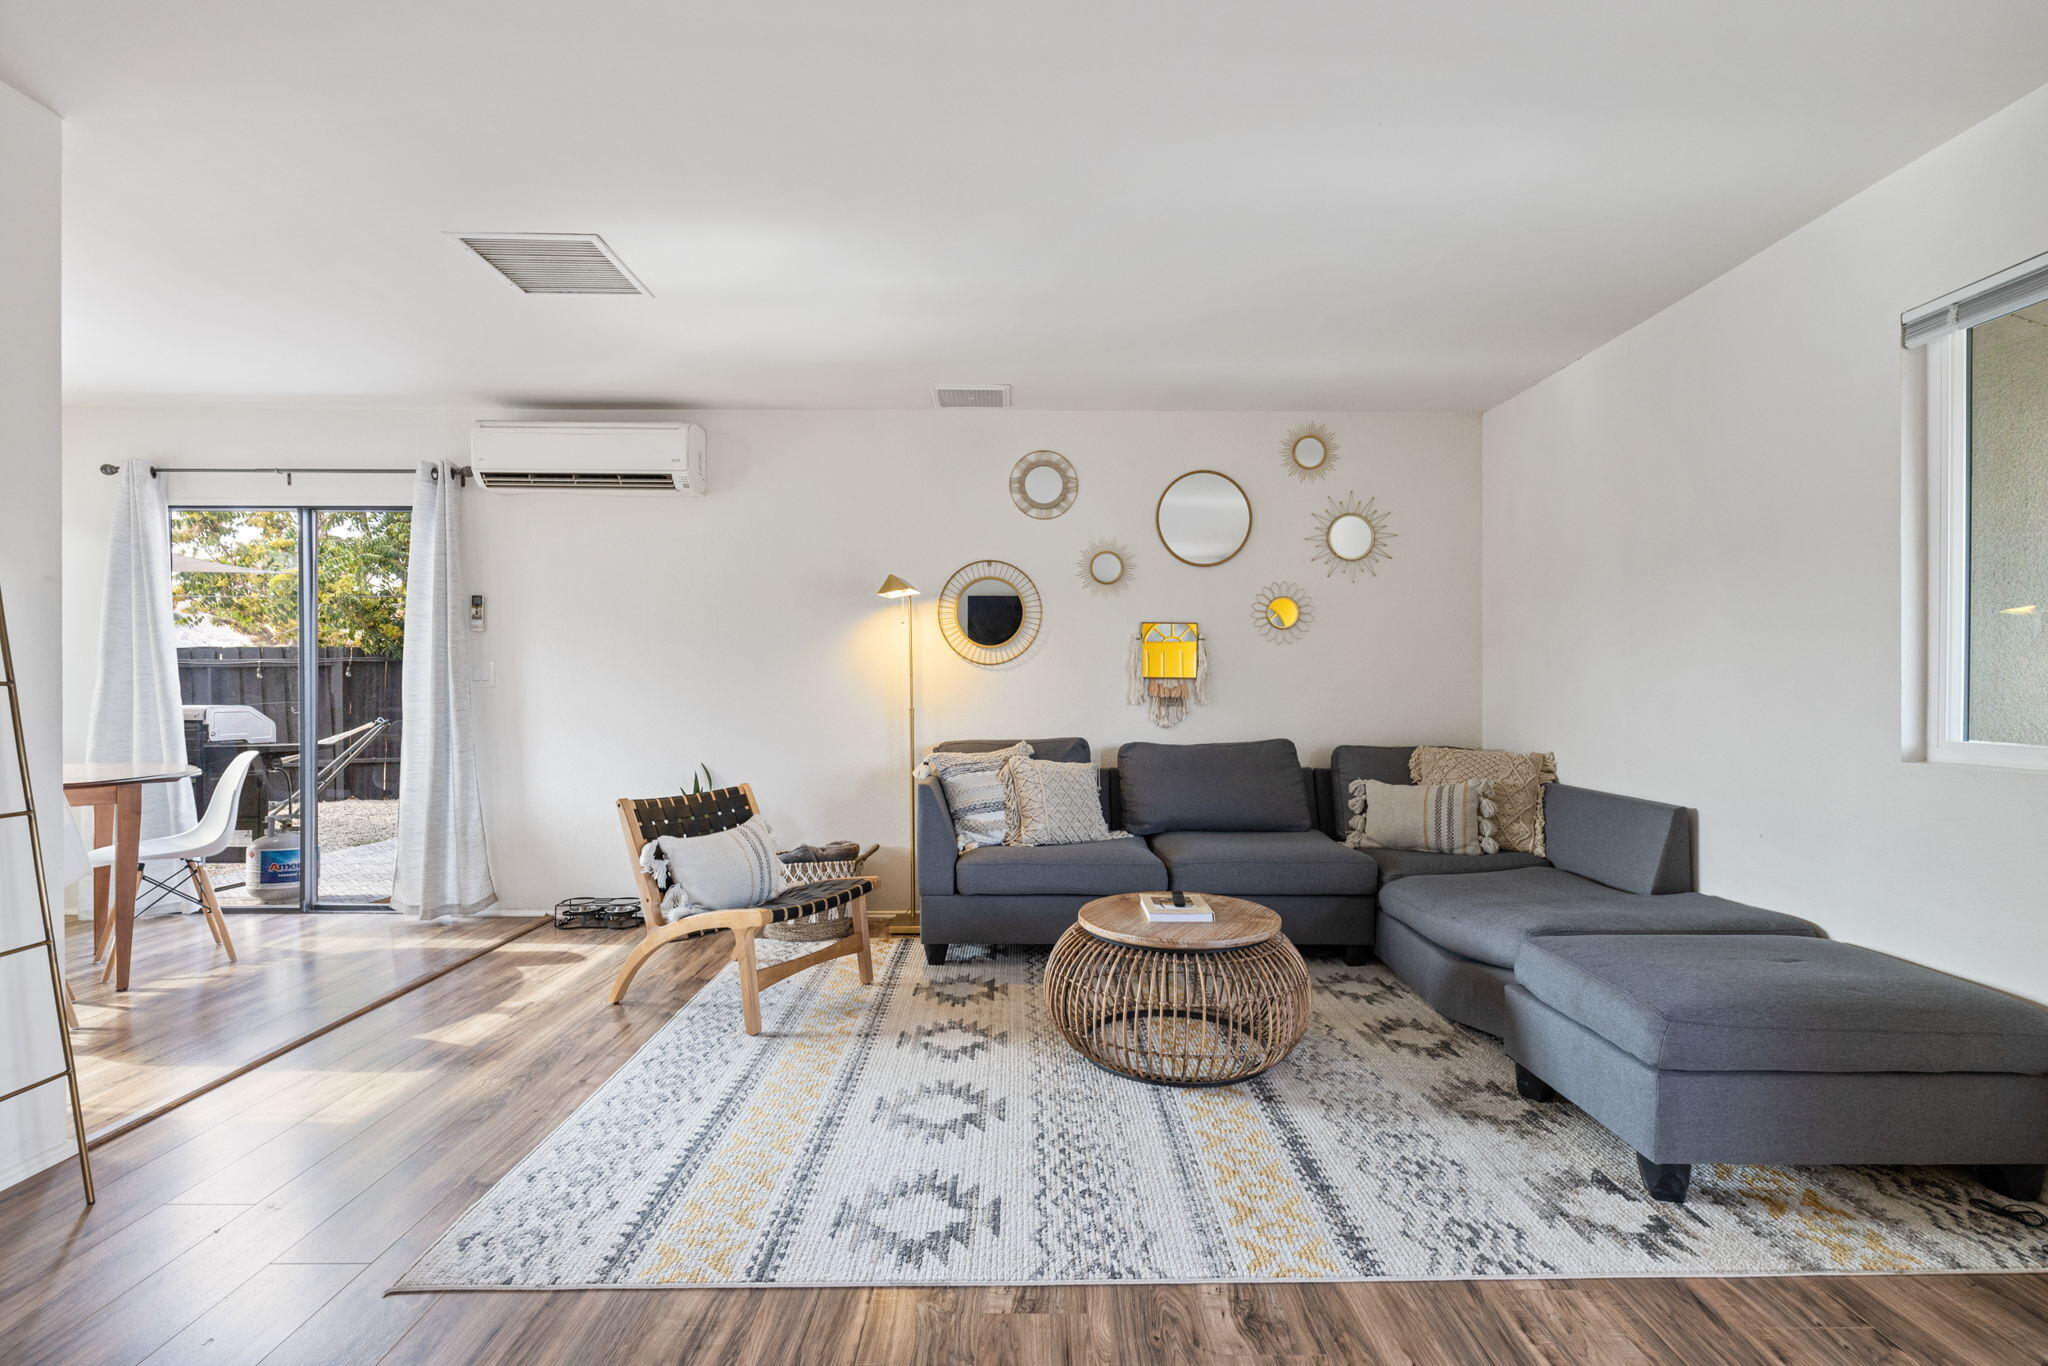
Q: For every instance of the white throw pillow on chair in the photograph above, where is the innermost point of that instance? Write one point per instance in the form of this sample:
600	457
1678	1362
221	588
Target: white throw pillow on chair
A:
728	871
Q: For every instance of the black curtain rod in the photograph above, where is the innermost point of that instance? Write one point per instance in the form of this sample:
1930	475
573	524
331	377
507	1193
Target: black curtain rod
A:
461	471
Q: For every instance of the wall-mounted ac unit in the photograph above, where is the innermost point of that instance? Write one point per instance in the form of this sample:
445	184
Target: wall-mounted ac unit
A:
644	457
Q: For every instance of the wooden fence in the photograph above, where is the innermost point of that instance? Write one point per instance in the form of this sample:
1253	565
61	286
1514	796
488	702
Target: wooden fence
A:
354	688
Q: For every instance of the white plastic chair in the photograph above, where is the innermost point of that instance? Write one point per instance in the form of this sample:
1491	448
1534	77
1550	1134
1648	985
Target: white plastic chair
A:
194	846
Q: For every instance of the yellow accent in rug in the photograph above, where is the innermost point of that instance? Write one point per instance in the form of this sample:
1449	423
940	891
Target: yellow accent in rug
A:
1269	1220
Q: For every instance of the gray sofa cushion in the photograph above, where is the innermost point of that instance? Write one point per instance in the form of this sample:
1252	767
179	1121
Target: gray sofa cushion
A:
1100	869
1253	785
1625	842
1746	1003
1061	749
1254	863
1400	863
1487	916
1383	763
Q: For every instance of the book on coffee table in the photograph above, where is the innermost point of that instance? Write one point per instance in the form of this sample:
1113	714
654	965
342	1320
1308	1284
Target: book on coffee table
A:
1159	906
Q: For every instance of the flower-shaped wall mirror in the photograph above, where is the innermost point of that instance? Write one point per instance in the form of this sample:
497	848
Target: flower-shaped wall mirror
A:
1203	518
989	612
1282	612
1044	484
1351	536
1309	452
1105	567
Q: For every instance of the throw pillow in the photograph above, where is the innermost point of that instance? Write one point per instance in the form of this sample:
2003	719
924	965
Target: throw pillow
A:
1517	780
728	871
1056	803
1437	818
975	792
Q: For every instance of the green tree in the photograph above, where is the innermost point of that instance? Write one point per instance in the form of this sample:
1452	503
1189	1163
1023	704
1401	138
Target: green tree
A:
362	575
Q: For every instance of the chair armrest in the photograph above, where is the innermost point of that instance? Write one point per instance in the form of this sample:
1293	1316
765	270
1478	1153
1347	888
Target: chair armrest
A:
937	849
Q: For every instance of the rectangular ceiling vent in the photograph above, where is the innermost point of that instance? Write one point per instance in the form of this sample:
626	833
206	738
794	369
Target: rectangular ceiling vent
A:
970	396
554	262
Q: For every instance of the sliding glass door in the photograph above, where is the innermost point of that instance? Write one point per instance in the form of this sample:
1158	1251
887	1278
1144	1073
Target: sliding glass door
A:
316	829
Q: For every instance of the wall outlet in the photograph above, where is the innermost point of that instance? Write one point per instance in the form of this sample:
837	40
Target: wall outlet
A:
483	673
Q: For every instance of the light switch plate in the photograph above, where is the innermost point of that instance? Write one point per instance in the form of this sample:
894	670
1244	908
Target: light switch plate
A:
483	673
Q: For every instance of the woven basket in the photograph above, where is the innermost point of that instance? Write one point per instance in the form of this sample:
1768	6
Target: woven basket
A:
836	923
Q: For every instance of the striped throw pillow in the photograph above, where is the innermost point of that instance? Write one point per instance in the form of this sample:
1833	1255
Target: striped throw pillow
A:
975	792
1437	818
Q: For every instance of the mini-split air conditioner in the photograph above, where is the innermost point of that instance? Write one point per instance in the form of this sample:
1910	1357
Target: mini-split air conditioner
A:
633	457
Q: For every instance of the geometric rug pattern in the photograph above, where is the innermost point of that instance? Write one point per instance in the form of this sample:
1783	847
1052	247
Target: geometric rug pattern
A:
933	1129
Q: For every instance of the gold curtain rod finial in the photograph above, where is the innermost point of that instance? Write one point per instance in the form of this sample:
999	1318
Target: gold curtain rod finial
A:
893	587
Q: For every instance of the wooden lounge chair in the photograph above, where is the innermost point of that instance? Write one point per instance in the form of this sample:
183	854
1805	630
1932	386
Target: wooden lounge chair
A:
689	814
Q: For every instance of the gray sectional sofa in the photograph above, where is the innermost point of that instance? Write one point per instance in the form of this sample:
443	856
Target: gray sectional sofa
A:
1697	1029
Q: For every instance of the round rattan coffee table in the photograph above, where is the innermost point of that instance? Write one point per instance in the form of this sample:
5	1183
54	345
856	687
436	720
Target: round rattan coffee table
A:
1178	1003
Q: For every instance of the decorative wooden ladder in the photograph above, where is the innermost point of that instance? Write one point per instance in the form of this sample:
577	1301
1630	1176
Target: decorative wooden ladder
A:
60	990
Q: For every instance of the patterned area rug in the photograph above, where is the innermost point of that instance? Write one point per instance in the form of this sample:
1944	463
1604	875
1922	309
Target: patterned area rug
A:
934	1130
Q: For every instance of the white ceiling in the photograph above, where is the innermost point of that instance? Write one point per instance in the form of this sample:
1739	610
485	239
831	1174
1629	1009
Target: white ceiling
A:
1344	205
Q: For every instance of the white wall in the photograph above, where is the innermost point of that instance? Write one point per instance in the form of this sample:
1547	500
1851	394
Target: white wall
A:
1694	573
34	1128
636	637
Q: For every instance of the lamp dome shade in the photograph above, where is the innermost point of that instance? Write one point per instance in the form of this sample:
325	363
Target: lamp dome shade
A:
893	587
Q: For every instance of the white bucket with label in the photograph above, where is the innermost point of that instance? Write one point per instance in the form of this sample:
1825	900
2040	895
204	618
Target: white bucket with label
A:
273	867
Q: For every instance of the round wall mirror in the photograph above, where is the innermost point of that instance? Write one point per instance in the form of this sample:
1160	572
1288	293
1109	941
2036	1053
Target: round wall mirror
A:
1282	612
989	612
1044	484
1309	451
1351	537
1204	518
1105	567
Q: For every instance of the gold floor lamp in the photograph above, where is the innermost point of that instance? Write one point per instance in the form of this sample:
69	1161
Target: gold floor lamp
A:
893	587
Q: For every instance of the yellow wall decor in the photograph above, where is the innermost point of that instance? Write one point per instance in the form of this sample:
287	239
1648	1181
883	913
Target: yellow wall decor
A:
1169	669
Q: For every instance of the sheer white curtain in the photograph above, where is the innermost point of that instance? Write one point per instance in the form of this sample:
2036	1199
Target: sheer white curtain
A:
137	717
443	865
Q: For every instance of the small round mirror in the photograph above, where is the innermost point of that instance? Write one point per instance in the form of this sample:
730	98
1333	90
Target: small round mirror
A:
991	612
1309	452
1351	537
1283	613
1044	484
1204	518
1106	566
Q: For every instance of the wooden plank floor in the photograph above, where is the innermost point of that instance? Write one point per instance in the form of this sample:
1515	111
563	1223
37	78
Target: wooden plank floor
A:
190	1016
263	1222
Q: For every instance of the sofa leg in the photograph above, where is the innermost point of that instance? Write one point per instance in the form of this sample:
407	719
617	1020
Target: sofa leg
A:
1529	1086
935	954
1665	1181
2021	1182
1357	955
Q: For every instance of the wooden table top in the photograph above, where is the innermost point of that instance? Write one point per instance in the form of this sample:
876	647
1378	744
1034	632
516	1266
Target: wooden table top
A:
114	775
1238	923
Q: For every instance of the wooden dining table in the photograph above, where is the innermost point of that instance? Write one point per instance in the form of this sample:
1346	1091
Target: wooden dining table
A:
114	792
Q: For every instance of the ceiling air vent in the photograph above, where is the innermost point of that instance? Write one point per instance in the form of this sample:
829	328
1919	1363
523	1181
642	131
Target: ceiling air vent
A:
554	262
970	395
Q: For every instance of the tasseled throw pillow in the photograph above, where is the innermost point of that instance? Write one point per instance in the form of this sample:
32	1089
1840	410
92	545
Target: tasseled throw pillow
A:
1517	780
1437	818
975	792
727	871
1056	803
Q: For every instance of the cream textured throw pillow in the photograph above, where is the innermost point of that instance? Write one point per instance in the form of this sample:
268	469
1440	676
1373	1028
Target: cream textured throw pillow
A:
975	793
1437	818
1056	803
732	870
1517	786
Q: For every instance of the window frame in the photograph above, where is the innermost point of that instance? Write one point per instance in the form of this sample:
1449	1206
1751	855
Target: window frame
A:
1948	568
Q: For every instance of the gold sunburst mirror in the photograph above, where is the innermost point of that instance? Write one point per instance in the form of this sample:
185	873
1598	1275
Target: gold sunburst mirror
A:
1282	612
1309	452
1351	536
1105	567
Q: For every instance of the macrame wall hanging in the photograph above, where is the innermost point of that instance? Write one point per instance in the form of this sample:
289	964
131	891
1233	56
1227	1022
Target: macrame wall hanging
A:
1169	670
